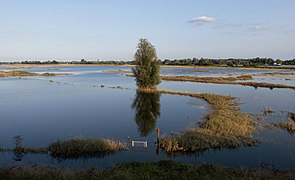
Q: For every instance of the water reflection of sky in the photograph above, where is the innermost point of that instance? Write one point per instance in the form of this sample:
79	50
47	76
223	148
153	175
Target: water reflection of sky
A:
43	111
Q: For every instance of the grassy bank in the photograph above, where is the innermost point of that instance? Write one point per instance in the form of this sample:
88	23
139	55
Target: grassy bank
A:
24	73
223	80
135	170
225	126
226	80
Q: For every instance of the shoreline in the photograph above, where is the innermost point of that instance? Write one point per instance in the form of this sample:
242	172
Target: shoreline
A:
17	66
165	169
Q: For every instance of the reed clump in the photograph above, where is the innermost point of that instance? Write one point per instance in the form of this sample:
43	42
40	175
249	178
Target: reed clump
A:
85	147
288	125
291	116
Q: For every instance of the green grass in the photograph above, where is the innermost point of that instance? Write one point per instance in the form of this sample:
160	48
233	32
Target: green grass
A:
134	170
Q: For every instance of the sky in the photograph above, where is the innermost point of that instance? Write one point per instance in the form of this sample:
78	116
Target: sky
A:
110	29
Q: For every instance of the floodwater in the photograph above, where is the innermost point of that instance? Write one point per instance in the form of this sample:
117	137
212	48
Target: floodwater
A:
93	103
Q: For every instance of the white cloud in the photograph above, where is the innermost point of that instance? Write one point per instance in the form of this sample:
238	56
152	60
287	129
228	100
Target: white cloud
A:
259	27
202	20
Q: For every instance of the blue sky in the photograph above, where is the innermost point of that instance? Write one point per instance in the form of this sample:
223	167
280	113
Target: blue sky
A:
110	29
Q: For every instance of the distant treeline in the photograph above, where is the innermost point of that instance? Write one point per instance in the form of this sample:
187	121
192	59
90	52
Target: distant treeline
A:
253	62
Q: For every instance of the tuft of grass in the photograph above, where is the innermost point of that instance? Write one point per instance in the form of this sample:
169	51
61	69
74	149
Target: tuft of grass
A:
84	147
291	116
48	74
288	125
268	111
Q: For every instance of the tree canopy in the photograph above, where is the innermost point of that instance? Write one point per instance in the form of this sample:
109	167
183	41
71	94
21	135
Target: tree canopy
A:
147	69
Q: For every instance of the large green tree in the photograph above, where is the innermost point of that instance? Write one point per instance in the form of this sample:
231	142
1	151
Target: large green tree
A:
147	69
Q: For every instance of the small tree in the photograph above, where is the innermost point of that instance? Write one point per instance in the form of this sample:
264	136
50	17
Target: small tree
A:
147	69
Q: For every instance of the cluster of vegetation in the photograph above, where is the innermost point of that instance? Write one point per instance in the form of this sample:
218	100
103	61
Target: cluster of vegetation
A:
83	147
19	73
135	170
24	73
71	149
288	125
225	126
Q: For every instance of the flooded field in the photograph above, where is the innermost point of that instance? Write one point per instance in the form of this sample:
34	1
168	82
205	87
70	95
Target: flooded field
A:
94	102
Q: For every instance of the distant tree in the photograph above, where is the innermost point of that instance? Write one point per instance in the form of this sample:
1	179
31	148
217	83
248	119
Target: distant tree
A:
54	62
83	61
278	61
147	69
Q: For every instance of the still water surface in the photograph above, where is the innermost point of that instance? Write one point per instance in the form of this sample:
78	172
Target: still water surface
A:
88	103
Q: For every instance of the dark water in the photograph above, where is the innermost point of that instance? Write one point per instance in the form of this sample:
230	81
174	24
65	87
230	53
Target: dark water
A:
45	109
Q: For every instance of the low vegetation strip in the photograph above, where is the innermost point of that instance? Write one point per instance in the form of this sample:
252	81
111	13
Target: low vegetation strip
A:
227	80
275	74
17	73
206	79
116	70
225	126
71	149
223	80
217	101
83	147
135	170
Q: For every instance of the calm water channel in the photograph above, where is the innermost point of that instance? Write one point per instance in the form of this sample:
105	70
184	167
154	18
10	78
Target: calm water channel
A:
93	103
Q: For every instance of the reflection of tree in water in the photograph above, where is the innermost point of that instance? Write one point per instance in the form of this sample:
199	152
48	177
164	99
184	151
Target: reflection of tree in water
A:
147	110
18	150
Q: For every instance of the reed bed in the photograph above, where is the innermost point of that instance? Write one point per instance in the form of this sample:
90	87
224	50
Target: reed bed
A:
85	147
225	126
